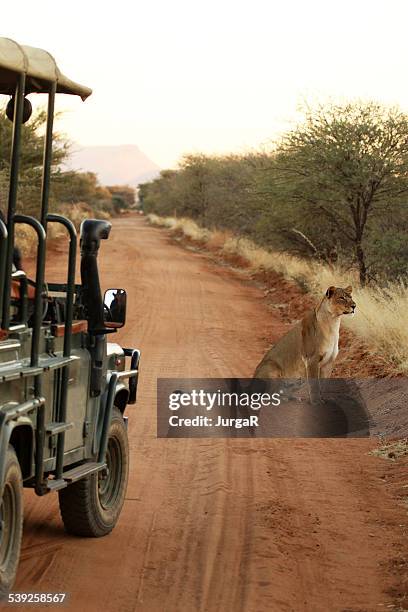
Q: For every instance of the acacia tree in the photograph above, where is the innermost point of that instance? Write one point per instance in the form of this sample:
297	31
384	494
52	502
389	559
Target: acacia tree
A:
31	159
347	164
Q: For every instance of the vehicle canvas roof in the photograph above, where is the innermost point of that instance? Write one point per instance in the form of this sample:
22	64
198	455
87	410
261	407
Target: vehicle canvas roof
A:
40	69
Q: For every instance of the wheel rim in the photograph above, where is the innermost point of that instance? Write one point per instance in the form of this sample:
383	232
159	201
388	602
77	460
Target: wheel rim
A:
110	479
8	516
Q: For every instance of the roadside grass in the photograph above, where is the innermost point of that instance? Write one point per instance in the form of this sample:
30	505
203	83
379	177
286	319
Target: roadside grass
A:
392	450
381	318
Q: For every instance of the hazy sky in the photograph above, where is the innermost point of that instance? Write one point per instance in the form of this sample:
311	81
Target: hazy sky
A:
178	76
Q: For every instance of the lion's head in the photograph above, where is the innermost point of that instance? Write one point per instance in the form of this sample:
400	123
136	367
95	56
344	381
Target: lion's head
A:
339	301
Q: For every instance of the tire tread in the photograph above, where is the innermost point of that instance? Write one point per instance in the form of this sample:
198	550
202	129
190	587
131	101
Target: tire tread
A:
77	506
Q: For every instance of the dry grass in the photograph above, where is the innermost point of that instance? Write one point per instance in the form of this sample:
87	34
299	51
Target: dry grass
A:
80	211
381	318
186	227
392	450
26	238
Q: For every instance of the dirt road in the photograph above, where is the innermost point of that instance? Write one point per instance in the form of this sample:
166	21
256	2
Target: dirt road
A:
219	525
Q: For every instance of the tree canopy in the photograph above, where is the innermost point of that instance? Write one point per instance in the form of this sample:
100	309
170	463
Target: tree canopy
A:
349	165
335	188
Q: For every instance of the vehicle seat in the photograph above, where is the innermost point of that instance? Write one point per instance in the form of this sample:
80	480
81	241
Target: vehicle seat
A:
78	326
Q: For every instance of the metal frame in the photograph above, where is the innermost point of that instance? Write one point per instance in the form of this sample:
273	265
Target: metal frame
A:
35	343
45	186
134	355
40	229
110	398
12	198
67	333
39	281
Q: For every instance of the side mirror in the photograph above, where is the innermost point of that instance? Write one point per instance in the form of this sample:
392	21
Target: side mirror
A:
114	308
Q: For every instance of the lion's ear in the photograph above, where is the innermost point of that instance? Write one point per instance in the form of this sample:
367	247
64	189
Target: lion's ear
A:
349	289
330	291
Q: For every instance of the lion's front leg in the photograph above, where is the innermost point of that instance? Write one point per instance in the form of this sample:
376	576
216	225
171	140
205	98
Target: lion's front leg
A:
313	380
325	375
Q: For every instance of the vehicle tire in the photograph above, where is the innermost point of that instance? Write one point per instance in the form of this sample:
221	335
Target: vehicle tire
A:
91	506
11	522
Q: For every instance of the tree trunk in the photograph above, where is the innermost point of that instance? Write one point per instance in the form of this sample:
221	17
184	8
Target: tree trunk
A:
361	264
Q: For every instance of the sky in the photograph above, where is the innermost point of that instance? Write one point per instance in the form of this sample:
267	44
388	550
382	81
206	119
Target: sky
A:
179	76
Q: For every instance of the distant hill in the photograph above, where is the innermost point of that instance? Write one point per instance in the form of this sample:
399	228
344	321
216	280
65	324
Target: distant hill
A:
114	165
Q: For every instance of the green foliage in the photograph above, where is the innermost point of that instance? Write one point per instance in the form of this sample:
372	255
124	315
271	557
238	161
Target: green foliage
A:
118	203
73	187
333	188
125	195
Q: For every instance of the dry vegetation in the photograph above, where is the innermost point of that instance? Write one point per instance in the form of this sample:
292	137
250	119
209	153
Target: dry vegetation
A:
26	238
381	319
392	450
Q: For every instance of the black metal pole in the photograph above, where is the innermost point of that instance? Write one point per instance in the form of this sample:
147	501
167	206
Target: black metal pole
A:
12	198
47	160
3	254
103	444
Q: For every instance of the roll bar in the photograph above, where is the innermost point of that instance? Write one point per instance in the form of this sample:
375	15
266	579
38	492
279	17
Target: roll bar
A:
12	197
24	70
12	218
13	188
39	282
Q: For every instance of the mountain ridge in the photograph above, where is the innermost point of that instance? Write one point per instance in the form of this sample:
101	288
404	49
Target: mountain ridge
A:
114	164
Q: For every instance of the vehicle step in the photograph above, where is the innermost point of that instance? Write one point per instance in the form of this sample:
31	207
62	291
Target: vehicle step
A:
56	428
19	370
82	470
54	484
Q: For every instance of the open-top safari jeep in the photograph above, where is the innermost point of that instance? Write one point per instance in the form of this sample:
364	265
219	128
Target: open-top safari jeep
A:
63	387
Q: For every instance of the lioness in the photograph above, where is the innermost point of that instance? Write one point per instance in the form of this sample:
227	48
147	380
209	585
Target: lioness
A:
310	348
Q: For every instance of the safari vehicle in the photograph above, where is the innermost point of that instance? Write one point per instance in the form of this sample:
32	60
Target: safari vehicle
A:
63	387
